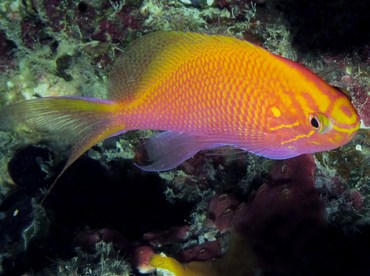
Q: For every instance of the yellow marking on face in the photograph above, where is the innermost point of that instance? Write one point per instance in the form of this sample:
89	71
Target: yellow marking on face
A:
320	99
298	137
344	129
343	110
285	126
303	101
276	111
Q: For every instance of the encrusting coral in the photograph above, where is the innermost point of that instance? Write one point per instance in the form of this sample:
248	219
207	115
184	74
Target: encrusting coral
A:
279	209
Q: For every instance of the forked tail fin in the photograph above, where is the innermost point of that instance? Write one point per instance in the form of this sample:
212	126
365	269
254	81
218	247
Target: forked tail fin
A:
82	122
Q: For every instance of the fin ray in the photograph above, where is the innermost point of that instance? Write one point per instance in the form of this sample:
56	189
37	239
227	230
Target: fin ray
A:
152	57
81	122
169	149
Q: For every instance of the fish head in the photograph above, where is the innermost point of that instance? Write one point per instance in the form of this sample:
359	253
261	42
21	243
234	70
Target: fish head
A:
324	119
333	125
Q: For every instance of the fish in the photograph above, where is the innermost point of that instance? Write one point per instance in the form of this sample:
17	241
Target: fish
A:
201	92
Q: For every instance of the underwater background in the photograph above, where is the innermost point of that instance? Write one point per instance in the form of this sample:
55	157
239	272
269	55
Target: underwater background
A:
223	212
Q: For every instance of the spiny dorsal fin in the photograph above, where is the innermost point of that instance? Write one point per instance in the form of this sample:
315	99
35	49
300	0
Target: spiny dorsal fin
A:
152	57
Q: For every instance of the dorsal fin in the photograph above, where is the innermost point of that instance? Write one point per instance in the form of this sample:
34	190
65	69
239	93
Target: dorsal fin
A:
152	53
152	57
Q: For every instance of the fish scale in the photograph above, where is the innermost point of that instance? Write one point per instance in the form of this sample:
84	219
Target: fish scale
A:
204	91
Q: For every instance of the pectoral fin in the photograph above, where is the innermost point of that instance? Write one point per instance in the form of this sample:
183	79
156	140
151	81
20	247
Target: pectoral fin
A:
169	149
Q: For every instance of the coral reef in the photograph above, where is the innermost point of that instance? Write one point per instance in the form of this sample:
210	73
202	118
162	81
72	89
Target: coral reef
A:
223	212
280	230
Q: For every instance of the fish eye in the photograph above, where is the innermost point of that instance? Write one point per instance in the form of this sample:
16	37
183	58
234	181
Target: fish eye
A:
320	122
315	123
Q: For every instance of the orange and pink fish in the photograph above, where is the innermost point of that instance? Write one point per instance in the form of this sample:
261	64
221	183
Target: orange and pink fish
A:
203	91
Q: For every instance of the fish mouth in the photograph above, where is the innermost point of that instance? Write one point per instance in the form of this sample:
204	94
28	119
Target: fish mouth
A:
352	135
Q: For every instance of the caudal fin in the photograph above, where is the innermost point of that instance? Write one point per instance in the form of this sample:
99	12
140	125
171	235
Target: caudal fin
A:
82	122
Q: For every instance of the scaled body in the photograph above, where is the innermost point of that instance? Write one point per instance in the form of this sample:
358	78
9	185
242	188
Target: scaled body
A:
204	91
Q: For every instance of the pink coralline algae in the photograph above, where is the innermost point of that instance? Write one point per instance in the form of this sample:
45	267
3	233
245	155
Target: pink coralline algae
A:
222	210
88	239
55	11
202	252
291	195
54	21
115	29
141	259
172	235
357	200
6	53
286	210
